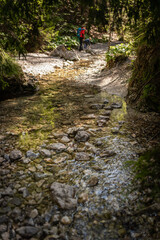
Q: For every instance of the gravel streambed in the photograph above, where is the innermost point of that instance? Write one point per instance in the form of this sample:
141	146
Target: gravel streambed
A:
63	165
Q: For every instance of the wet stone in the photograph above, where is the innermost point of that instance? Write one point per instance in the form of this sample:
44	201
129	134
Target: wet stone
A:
116	105
83	197
40	183
4	172
104	117
82	136
6	157
5	236
91	147
45	152
121	232
7	192
24	191
55	218
106	101
108	108
106	113
98	143
3	219
2	160
54	230
72	131
30	222
58	147
39	176
89	96
82	156
32	169
107	153
2	137
101	122
16	201
88	117
27	231
97	168
66	220
64	195
26	160
31	154
115	130
15	155
16	212
5	210
58	134
34	213
97	106
65	139
93	181
3	228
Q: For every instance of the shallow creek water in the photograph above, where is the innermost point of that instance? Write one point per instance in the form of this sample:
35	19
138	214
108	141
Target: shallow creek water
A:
108	197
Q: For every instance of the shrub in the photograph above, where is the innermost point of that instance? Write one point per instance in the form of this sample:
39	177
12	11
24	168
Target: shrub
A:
118	53
147	169
8	69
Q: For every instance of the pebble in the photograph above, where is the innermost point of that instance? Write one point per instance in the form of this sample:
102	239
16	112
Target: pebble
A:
34	213
3	228
55	218
93	181
32	155
65	139
32	169
27	231
58	147
83	197
66	220
5	236
15	155
26	160
82	156
45	152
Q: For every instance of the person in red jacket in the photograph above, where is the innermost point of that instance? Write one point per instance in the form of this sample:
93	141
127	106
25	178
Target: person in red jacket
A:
82	37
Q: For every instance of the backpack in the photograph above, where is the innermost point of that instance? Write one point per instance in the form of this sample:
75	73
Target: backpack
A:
82	32
78	32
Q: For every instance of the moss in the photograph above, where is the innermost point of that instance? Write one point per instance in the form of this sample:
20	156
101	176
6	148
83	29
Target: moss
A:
147	169
145	81
8	69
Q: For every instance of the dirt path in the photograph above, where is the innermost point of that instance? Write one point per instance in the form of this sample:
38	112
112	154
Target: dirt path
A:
113	81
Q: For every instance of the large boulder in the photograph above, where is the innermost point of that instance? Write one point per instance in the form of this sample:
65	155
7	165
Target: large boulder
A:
71	56
58	52
64	195
62	52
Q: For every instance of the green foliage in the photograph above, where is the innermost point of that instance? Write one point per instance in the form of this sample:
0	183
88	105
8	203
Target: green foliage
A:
147	169
8	69
145	81
120	49
66	40
119	53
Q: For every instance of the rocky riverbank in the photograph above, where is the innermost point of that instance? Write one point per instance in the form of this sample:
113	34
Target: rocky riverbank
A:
63	163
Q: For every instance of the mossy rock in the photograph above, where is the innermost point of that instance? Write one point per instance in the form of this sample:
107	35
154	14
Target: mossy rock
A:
145	81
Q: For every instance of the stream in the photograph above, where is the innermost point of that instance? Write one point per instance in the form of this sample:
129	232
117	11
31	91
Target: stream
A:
64	154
